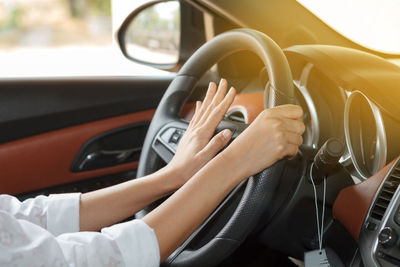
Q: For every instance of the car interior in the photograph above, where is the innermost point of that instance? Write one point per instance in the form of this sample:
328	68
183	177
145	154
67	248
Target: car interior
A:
78	134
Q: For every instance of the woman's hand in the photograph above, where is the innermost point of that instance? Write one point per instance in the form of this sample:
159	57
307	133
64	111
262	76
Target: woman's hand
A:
276	133
195	148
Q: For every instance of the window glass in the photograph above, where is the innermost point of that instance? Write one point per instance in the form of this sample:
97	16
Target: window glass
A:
63	38
154	35
371	23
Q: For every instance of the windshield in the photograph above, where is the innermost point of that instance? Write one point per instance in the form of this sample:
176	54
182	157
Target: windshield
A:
373	24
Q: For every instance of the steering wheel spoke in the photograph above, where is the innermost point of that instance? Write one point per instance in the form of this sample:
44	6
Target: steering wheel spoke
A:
167	139
236	127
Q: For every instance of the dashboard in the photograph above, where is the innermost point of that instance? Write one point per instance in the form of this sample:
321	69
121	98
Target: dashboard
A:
379	235
352	96
355	96
349	95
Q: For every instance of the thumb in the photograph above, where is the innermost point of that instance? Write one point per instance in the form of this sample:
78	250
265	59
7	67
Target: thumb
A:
216	144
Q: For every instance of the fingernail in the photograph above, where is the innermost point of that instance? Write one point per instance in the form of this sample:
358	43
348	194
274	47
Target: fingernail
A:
231	89
211	86
227	134
222	81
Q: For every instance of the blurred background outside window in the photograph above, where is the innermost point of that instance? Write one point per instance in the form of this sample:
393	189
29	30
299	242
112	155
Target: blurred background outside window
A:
154	34
64	38
75	37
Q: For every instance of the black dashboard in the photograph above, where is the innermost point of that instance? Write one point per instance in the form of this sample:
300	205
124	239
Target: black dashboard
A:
354	96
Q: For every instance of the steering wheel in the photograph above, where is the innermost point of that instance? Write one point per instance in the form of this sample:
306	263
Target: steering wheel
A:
166	125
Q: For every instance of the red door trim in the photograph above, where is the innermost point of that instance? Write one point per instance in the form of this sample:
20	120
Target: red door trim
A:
44	160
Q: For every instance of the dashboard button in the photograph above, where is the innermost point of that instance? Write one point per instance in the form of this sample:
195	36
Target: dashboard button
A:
371	226
387	237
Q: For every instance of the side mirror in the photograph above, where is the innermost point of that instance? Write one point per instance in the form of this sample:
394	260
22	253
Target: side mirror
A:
151	34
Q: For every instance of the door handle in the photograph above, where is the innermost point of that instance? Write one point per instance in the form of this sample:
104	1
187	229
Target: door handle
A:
105	158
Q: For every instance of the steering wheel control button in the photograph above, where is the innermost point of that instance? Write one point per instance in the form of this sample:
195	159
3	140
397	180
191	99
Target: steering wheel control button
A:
387	237
176	136
167	134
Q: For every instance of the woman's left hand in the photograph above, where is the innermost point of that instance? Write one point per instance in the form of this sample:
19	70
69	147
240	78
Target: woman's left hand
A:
198	146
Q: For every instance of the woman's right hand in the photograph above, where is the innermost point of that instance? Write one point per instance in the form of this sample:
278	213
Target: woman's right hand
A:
276	133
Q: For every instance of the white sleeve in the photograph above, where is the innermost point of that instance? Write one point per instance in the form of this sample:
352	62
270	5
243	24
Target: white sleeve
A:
23	243
57	213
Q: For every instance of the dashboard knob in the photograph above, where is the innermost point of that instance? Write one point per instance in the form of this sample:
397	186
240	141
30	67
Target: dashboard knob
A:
387	237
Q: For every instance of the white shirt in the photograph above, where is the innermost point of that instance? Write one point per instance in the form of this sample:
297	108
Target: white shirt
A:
44	231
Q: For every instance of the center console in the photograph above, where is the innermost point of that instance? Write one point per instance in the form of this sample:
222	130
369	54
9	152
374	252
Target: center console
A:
379	236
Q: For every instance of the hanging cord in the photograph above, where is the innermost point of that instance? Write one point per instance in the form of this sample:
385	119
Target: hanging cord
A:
320	227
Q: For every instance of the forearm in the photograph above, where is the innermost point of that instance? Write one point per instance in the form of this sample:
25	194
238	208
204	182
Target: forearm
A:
275	134
110	205
175	219
107	206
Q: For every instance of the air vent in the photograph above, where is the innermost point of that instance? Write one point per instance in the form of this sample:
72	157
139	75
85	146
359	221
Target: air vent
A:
237	116
385	195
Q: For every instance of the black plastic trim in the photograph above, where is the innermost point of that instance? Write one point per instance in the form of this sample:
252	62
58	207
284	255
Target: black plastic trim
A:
37	105
134	133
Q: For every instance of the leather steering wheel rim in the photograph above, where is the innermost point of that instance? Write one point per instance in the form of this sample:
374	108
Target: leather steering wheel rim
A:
259	188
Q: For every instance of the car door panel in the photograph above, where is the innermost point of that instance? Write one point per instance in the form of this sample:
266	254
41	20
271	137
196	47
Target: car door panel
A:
33	106
45	160
45	123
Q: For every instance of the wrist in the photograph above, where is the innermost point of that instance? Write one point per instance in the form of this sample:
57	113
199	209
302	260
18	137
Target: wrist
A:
170	178
232	165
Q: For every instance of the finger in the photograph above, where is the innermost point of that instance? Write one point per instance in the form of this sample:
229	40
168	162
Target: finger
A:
291	151
293	138
286	150
212	89
198	105
295	126
286	111
216	144
219	96
218	113
196	114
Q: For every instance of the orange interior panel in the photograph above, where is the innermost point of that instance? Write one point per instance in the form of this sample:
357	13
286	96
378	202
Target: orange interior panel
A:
250	104
352	204
44	160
